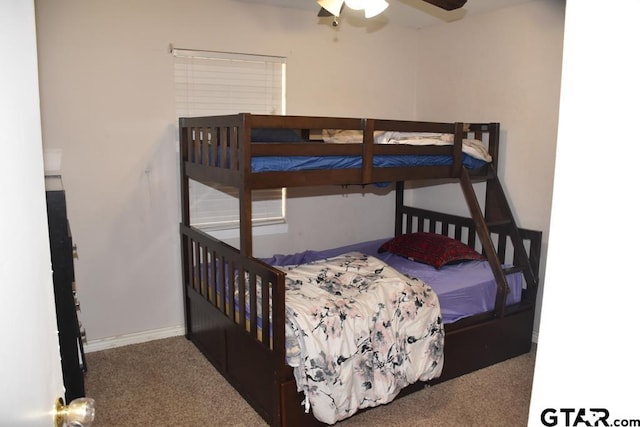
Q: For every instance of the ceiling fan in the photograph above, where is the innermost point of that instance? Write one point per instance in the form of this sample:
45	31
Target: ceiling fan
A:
447	4
374	7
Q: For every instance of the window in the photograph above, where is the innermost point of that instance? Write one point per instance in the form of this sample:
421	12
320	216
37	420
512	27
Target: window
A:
213	83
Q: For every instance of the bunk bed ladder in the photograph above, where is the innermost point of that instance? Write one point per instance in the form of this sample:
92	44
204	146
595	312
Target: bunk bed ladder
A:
497	215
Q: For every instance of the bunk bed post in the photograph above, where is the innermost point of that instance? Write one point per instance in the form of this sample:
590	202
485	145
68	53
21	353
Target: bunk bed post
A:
185	136
184	184
494	144
246	238
399	205
243	135
456	167
368	125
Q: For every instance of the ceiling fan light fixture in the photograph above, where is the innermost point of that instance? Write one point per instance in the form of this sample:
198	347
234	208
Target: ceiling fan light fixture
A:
333	6
357	4
374	8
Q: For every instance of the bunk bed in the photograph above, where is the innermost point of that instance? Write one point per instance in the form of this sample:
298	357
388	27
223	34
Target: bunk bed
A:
228	292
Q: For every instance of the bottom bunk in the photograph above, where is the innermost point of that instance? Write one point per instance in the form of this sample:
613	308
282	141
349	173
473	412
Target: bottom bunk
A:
224	304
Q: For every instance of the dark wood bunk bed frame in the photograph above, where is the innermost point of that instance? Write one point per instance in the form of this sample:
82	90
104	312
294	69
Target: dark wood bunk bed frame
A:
252	358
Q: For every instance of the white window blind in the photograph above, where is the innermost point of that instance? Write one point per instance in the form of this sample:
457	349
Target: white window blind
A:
214	83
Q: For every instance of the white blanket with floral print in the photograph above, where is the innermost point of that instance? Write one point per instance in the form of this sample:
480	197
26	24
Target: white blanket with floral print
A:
364	330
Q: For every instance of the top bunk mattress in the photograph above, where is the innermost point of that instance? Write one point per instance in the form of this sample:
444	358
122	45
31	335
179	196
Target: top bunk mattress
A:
474	153
301	163
463	289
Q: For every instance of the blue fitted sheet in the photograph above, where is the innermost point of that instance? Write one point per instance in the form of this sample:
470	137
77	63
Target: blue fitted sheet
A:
299	163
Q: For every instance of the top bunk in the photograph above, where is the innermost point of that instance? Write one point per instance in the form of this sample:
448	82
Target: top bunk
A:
251	152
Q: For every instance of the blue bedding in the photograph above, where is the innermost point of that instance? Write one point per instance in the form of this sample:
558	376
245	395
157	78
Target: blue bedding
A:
299	163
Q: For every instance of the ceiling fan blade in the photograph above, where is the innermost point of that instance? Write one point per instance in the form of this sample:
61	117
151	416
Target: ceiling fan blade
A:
324	12
447	4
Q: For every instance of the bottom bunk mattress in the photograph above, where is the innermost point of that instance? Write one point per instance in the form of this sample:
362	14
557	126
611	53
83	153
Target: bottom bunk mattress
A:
463	288
363	323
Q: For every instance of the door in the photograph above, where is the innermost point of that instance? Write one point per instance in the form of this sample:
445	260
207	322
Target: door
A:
30	372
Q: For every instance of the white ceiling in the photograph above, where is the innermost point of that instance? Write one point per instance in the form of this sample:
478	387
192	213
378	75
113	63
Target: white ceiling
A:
411	13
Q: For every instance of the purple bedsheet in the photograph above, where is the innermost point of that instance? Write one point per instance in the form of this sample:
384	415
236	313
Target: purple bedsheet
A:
463	289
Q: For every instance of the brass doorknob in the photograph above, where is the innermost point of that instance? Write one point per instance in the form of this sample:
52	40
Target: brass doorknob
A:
79	413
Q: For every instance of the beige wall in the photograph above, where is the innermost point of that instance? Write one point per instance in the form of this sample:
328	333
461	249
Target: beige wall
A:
107	103
503	67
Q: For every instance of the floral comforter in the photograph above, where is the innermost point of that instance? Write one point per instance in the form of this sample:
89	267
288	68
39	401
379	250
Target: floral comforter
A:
364	332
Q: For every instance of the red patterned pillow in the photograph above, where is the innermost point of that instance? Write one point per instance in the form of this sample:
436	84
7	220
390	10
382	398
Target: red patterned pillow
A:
429	248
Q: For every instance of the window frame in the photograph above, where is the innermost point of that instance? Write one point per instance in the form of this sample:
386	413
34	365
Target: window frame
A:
235	82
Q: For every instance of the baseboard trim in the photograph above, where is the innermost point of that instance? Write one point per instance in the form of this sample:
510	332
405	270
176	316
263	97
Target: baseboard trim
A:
135	338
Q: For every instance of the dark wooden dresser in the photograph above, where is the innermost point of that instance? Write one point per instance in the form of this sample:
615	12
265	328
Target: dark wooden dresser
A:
62	258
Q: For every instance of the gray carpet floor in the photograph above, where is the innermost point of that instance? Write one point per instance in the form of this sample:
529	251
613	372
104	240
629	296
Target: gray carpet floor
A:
169	383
